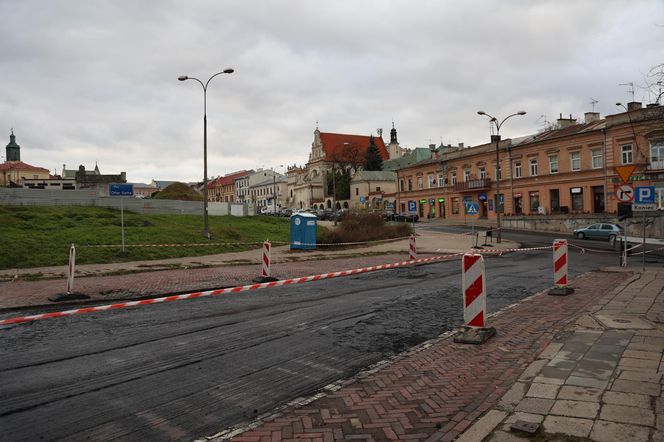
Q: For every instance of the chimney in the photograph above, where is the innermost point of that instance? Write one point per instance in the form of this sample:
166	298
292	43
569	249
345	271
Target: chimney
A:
566	122
591	117
432	146
460	145
633	105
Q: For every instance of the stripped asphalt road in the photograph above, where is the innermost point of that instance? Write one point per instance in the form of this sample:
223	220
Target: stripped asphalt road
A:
187	369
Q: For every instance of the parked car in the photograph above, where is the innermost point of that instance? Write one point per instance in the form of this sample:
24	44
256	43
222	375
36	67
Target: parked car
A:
599	231
408	217
286	212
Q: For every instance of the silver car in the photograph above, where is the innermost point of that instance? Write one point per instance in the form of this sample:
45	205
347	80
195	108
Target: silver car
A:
604	231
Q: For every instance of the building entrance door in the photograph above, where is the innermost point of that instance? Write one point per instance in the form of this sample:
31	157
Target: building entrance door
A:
598	199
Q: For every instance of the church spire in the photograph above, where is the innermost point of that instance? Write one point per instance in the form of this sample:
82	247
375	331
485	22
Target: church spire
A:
13	149
393	135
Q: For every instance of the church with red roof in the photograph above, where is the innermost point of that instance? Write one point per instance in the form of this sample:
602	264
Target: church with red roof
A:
307	185
13	171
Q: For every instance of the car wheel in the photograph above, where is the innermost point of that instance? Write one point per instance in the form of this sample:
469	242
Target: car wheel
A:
581	235
612	239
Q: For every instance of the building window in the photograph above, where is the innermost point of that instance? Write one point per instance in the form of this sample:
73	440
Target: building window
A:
400	185
455	205
441	180
553	164
410	184
377	188
498	173
534	201
482	173
533	168
431	181
657	154
598	158
420	186
453	177
466	175
357	191
517	169
577	198
626	153
575	159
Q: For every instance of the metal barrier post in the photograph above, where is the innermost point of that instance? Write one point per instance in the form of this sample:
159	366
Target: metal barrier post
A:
560	263
473	283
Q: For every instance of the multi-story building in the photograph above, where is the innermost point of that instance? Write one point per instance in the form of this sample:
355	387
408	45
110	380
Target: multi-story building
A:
222	189
242	187
264	193
566	169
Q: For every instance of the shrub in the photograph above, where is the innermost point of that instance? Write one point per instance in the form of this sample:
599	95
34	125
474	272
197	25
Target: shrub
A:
362	226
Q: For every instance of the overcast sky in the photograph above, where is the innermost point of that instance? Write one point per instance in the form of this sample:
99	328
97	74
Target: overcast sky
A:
86	80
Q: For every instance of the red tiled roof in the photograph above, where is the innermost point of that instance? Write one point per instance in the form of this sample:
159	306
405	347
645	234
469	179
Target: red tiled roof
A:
334	145
227	179
20	165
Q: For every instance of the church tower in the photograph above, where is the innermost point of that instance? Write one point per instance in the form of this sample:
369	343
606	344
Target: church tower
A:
13	149
393	149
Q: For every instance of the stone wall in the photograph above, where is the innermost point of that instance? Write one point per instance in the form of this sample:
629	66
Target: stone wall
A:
32	197
567	224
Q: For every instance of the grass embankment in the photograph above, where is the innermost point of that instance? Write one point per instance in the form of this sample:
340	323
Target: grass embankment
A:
41	236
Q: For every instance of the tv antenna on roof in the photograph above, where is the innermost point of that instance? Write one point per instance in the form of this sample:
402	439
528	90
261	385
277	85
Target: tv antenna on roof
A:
593	102
631	88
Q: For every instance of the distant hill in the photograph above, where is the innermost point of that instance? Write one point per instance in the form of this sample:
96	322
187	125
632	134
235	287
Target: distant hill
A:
178	191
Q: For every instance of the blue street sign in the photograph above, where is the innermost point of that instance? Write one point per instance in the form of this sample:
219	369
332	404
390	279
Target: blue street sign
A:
363	200
121	189
644	195
472	208
412	206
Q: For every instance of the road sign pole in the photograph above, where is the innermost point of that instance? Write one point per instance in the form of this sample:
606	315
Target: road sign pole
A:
122	222
643	246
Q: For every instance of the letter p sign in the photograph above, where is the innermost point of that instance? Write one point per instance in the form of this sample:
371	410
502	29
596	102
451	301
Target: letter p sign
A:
645	195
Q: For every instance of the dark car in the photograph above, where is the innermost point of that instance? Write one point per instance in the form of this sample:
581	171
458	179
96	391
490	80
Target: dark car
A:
407	217
604	231
286	212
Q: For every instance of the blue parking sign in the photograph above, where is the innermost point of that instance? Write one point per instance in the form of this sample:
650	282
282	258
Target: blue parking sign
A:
644	195
412	206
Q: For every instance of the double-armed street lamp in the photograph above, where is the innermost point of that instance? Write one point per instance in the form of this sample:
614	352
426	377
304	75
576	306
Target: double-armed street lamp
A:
496	139
205	179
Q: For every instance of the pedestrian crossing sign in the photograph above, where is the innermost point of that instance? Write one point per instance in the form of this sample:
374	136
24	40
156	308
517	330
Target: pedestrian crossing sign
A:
472	208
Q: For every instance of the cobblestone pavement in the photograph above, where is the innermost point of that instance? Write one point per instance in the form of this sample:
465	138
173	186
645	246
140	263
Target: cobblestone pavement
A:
601	380
435	391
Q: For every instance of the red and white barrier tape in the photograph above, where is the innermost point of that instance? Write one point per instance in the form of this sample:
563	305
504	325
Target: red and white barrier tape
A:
612	252
238	289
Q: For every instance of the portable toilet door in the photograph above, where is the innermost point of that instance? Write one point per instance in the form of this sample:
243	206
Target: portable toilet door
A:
303	228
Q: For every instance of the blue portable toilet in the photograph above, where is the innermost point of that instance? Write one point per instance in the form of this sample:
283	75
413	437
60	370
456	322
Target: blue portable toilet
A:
303	231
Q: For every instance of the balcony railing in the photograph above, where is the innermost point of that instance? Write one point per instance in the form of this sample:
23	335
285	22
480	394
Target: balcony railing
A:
468	186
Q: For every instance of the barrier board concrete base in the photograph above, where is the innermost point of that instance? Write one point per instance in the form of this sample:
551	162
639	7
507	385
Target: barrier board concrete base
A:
561	291
67	297
262	279
475	336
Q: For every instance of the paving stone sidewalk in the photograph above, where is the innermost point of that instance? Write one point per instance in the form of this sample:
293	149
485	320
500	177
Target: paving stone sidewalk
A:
438	390
599	381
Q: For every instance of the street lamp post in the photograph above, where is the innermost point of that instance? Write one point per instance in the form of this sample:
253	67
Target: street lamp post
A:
274	190
205	184
496	139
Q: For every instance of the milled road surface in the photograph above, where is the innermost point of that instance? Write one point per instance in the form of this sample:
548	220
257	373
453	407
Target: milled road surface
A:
187	369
